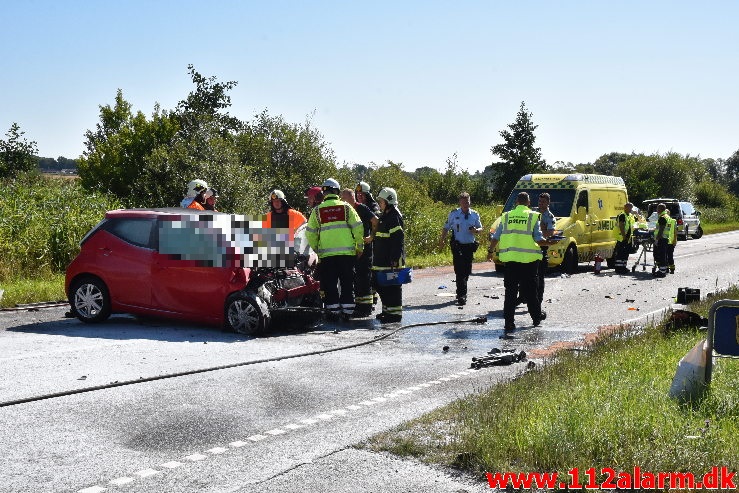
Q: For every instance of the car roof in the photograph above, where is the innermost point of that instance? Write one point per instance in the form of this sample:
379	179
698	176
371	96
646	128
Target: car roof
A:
153	213
660	200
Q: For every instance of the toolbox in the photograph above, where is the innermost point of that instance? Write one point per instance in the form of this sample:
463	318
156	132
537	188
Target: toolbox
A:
688	295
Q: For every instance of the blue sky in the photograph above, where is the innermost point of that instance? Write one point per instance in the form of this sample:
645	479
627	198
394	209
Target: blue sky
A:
408	81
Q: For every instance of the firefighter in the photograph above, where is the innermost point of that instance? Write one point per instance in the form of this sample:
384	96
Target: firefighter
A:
195	196
211	197
363	295
662	234
624	236
334	232
389	253
363	195
671	243
281	215
519	238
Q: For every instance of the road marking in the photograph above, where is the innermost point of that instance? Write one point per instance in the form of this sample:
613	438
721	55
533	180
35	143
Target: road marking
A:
171	464
196	457
145	473
122	481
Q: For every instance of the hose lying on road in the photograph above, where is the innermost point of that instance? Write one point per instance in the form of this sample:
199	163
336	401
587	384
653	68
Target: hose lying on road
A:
479	320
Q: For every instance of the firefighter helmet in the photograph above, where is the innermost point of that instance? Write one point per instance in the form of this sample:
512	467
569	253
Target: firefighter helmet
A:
388	195
195	187
330	185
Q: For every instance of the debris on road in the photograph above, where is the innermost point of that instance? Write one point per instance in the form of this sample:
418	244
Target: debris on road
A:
497	357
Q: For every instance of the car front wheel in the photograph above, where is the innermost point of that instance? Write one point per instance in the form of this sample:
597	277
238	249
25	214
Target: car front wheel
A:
90	300
698	233
246	313
569	262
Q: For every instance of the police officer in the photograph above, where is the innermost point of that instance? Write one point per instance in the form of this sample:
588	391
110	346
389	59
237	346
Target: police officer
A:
624	236
662	234
547	230
518	239
334	232
464	223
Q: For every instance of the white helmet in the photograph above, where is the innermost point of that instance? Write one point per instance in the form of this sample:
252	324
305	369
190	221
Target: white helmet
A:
331	185
195	187
277	194
388	195
363	187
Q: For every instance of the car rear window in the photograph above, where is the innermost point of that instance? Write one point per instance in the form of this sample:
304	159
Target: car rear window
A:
673	207
134	231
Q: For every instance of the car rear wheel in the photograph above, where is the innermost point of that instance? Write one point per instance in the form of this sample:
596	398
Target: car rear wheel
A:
90	300
246	313
698	233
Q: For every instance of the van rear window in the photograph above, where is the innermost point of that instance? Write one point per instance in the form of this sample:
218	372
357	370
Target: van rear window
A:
560	205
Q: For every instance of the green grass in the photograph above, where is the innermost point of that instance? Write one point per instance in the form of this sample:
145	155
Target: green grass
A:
605	407
18	291
710	228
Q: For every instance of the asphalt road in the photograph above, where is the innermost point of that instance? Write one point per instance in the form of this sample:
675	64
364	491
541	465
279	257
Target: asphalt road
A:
290	424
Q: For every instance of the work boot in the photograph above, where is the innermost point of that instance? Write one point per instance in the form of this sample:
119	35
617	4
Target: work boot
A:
537	321
388	318
461	300
362	311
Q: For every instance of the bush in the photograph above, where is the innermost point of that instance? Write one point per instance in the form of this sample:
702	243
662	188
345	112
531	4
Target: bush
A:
712	194
42	221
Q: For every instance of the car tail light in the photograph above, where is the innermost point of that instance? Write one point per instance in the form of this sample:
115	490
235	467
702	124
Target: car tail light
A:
680	221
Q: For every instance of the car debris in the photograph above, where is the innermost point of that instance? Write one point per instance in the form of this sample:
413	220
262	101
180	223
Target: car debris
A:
498	357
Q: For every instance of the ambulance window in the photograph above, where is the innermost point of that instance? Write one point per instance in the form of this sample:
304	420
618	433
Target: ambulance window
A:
582	200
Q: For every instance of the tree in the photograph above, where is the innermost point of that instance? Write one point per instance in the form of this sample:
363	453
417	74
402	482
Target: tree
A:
655	176
732	173
607	163
518	154
17	155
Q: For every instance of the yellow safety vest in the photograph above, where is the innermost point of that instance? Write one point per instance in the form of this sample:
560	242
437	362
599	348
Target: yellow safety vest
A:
334	228
673	230
516	239
669	227
628	227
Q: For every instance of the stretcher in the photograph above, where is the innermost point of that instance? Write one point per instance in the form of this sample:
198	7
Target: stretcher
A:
644	243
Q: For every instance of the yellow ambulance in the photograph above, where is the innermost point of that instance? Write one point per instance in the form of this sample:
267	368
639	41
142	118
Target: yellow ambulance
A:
585	208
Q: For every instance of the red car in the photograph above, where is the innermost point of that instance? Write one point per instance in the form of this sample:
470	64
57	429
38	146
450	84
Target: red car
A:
181	264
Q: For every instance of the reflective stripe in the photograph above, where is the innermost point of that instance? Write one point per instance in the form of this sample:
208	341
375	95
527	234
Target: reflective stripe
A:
334	226
517	249
311	230
350	250
519	232
363	299
393	309
382	235
396	228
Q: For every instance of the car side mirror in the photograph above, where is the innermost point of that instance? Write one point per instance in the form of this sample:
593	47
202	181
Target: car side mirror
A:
581	213
698	213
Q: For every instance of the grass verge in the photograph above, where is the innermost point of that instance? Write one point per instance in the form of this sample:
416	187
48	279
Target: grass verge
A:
604	407
49	287
709	228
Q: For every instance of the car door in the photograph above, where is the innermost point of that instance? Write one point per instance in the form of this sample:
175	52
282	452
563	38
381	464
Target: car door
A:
584	228
124	259
184	282
690	218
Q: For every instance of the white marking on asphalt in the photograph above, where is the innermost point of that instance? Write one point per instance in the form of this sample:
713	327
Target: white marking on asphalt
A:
278	431
122	481
146	473
171	464
196	457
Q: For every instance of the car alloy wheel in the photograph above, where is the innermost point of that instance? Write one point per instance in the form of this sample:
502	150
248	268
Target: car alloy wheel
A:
246	314
90	300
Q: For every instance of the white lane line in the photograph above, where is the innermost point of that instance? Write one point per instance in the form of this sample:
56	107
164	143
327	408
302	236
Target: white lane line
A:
122	481
237	444
414	388
425	385
434	382
379	399
309	421
293	426
275	432
338	412
403	391
256	438
445	379
325	417
171	464
368	403
196	457
217	450
354	407
454	376
92	489
146	473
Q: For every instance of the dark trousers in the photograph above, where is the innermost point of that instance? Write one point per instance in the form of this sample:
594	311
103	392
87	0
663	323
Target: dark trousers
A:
462	257
524	277
363	280
338	272
671	256
541	270
660	254
621	257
